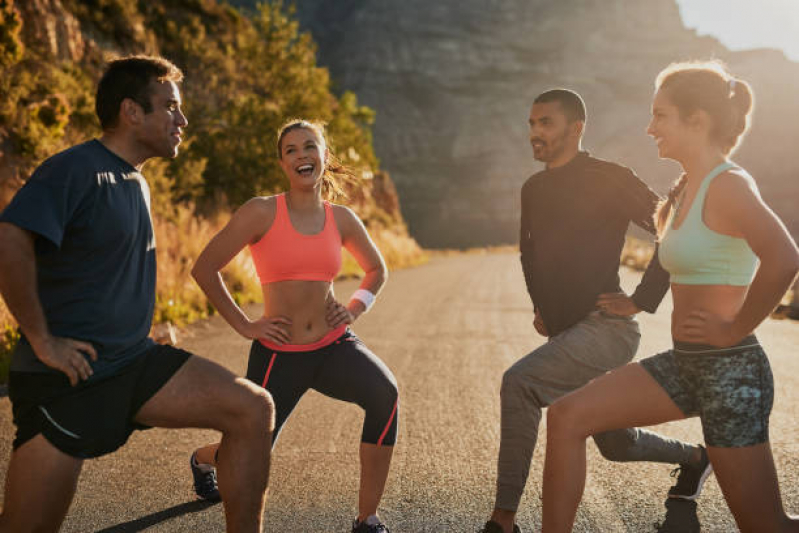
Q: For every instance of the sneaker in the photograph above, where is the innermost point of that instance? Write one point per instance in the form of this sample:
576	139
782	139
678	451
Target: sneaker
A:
691	478
371	525
204	480
493	527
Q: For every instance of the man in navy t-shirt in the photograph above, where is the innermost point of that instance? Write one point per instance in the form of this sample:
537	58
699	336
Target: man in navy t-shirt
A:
78	273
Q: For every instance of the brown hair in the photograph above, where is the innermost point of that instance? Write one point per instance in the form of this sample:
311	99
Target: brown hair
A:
130	77
336	174
705	86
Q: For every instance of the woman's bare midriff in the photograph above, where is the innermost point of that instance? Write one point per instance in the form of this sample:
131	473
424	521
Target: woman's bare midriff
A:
720	300
302	302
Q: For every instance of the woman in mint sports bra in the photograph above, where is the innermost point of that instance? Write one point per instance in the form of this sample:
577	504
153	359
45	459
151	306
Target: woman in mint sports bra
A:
730	260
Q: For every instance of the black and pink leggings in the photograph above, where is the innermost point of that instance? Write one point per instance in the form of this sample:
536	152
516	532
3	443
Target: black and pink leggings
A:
344	369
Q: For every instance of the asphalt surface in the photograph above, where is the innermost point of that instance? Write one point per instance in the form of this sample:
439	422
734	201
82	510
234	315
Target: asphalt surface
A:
448	330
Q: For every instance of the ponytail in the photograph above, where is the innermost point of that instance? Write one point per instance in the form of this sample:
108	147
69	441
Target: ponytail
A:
741	101
337	175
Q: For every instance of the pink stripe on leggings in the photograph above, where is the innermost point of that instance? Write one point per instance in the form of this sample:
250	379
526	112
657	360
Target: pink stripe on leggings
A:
390	420
269	370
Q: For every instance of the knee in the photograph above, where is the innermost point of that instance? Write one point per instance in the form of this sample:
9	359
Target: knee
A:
388	396
510	380
254	408
563	419
518	390
512	383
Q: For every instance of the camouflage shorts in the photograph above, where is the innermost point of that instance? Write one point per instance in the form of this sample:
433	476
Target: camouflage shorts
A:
730	389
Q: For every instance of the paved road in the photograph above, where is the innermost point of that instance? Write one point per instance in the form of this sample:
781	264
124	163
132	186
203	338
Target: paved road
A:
448	330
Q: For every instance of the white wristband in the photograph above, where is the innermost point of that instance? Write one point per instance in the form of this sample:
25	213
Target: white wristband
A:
365	297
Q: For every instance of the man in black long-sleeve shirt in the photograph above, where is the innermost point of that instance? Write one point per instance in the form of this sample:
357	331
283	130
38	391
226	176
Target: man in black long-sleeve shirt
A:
575	214
574	219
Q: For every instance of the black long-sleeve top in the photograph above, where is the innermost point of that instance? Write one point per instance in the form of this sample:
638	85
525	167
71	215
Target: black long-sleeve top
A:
574	219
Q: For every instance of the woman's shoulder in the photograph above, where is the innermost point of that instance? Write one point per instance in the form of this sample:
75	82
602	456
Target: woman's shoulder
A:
733	191
733	182
346	218
260	210
263	204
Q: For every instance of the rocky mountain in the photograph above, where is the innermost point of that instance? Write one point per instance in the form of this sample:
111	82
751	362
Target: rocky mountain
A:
452	82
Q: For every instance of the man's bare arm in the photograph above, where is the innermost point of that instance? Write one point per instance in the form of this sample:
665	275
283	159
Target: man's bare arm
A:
18	288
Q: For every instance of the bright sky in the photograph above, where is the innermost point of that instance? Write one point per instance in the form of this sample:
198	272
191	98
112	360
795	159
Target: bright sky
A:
743	24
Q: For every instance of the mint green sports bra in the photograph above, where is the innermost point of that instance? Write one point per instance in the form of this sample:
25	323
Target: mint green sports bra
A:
696	255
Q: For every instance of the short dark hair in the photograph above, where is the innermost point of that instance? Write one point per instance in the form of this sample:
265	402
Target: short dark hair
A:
130	77
570	102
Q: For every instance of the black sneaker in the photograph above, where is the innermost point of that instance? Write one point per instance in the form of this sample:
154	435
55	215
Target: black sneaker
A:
691	478
204	480
493	527
363	527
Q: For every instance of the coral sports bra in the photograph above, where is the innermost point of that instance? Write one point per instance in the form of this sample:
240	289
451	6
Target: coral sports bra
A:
283	253
694	254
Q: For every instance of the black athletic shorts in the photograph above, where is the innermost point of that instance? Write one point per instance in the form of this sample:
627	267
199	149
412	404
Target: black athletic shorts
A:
90	419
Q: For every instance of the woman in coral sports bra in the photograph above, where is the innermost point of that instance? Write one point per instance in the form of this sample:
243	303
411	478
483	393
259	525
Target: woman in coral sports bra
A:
302	341
730	260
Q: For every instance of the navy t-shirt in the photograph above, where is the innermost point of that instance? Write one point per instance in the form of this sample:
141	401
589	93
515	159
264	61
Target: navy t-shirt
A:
95	254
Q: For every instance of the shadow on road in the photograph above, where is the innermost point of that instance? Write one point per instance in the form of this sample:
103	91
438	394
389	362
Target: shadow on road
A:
140	524
680	517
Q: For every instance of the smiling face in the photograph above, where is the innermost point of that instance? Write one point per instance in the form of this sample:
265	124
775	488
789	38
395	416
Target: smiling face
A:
553	138
159	131
670	131
303	155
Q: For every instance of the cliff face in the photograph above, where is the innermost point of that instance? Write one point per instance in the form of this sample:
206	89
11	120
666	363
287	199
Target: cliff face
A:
452	83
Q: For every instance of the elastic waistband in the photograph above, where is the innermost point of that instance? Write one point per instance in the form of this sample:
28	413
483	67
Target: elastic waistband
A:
329	338
688	347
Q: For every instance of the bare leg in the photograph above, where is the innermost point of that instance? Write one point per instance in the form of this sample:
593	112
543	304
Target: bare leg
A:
627	396
375	463
206	395
749	483
40	486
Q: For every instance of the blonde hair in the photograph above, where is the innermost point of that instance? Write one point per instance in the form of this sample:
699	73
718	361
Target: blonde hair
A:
705	86
336	174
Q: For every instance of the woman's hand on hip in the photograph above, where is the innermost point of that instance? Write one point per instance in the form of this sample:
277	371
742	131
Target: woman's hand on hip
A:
338	314
273	328
702	327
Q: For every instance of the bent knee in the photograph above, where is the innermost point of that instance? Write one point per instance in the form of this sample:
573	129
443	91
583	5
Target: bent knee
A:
261	406
515	387
519	389
382	418
252	408
564	417
511	380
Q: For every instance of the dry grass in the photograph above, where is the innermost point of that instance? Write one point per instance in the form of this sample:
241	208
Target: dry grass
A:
179	240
